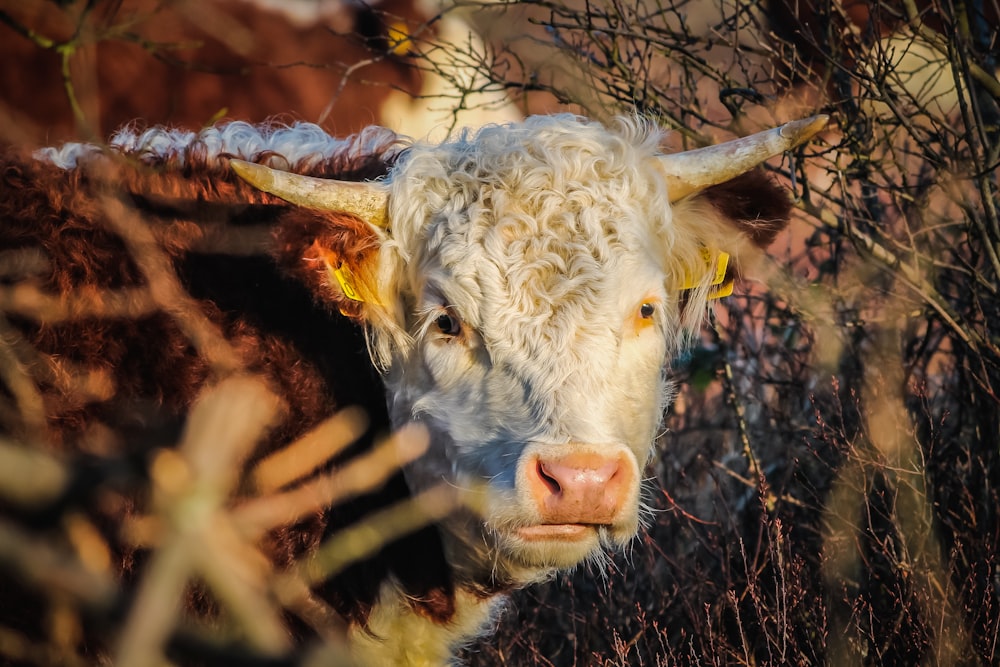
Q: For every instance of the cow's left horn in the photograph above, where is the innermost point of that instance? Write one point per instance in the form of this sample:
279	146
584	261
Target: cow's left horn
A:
694	170
368	201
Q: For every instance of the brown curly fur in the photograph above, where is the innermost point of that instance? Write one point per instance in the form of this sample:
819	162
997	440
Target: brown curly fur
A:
274	306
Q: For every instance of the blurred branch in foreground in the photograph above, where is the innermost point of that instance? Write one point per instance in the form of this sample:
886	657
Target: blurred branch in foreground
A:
151	542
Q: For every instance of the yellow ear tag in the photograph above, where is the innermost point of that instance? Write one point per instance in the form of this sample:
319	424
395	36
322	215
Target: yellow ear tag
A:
718	278
724	290
346	280
399	39
721	264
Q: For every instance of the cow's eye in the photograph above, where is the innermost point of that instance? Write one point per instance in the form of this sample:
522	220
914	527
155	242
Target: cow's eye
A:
646	311
448	324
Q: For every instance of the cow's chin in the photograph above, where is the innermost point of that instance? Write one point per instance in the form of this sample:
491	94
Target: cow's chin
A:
562	546
548	546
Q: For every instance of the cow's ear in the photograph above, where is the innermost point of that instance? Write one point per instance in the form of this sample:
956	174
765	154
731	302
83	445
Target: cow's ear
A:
753	205
335	255
739	218
721	198
331	239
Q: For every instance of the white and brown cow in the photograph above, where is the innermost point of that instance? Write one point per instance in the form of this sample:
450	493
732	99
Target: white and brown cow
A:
522	290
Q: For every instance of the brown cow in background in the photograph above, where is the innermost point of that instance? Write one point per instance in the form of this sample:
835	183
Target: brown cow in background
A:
190	63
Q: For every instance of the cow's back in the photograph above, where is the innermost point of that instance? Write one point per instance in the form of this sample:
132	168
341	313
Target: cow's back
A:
116	370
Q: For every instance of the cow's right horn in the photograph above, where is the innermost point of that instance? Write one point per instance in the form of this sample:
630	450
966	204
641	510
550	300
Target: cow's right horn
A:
368	201
688	172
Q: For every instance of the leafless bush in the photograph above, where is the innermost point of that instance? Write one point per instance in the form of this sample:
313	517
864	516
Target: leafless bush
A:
831	472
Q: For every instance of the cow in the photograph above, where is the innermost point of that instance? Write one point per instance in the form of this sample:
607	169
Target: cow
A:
895	59
517	292
342	65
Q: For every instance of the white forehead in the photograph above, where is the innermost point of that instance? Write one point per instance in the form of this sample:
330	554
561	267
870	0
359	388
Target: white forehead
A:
527	219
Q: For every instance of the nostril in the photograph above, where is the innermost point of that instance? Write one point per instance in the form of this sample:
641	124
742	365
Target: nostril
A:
550	482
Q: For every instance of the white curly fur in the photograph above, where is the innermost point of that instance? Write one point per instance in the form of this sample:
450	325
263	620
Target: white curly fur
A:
299	146
544	238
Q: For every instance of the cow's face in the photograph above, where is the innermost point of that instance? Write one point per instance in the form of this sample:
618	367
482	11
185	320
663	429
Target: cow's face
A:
540	305
525	299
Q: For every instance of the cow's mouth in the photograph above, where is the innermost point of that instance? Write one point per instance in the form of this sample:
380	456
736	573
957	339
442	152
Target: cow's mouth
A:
565	532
